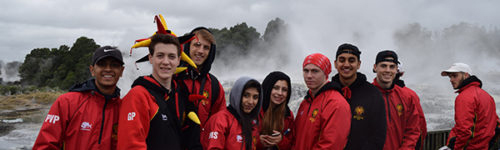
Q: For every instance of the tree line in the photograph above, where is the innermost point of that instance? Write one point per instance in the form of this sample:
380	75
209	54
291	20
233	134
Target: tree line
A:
64	66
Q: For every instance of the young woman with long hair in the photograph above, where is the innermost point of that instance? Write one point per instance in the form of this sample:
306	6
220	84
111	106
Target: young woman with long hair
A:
276	117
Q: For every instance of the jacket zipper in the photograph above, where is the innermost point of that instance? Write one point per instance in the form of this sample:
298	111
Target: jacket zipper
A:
103	118
388	108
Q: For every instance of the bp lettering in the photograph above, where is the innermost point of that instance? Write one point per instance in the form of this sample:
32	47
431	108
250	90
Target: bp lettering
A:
52	118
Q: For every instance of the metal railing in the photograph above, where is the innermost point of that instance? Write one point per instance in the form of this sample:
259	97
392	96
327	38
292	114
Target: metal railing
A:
437	139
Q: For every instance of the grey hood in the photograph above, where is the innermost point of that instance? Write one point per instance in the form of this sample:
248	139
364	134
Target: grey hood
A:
236	95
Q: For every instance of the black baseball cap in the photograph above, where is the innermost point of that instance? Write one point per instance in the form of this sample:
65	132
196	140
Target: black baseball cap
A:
107	51
348	48
382	56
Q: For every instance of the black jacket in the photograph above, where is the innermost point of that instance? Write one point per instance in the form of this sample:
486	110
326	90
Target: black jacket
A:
368	125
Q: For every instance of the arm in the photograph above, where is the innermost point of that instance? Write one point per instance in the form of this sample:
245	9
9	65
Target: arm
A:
216	129
335	125
51	133
464	120
411	131
134	117
286	142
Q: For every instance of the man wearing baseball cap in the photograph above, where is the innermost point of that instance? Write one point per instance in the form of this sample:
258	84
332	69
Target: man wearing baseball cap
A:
368	125
87	116
475	116
324	118
401	107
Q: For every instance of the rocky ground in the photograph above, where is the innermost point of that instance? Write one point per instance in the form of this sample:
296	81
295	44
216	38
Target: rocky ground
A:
21	116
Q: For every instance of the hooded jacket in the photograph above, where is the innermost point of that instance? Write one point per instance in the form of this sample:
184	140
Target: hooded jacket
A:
83	118
323	120
368	125
151	117
201	82
224	129
475	117
402	118
287	132
422	123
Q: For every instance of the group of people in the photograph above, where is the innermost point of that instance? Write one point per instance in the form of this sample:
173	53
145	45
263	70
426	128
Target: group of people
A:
346	112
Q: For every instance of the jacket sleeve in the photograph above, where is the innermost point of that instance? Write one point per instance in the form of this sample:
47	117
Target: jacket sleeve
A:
286	142
134	118
54	126
335	125
411	131
220	103
216	133
464	120
378	123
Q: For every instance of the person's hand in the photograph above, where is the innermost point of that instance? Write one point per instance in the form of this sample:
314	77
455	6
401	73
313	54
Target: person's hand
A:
445	148
264	140
274	140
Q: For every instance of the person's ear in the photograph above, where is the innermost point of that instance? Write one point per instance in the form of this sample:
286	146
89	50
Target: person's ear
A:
91	69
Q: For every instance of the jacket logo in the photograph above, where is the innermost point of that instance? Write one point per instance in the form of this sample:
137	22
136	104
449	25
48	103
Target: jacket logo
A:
399	108
359	110
213	135
314	114
131	116
86	126
239	139
52	118
164	117
205	101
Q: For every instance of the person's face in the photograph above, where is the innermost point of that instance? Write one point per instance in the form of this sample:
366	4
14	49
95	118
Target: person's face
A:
249	99
199	50
279	92
347	65
107	72
313	76
456	78
165	60
386	71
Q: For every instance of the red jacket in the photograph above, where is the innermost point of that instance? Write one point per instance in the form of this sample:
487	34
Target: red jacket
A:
204	106
474	117
142	122
422	123
287	133
402	118
224	132
323	121
75	120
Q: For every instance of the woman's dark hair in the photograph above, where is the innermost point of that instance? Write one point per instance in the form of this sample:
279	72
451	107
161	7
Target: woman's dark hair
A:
246	122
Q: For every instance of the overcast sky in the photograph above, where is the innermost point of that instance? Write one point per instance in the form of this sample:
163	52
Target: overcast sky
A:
29	24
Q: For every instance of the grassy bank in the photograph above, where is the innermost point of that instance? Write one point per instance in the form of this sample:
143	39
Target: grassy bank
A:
30	100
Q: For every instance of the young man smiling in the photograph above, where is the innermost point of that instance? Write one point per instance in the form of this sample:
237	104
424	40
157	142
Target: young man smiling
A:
87	116
368	125
152	113
401	107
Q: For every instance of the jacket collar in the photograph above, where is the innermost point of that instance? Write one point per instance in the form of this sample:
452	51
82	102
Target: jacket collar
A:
89	85
471	81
